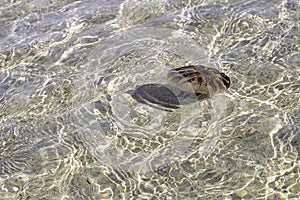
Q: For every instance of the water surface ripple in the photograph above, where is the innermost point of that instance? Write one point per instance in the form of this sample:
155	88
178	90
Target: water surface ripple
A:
70	130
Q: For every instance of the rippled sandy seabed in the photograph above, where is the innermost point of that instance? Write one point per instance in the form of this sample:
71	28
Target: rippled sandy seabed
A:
70	131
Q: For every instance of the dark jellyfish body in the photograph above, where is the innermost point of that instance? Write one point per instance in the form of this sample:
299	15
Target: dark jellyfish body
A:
156	94
187	85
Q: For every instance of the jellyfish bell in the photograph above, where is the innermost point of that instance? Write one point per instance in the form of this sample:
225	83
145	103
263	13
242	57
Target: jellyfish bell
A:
199	79
185	85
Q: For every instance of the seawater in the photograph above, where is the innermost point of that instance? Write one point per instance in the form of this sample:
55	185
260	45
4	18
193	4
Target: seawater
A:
70	130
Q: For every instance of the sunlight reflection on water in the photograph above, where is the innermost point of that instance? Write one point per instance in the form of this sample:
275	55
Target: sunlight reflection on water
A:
69	130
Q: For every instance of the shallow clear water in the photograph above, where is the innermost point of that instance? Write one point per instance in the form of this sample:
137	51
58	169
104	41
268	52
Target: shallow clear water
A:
69	130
